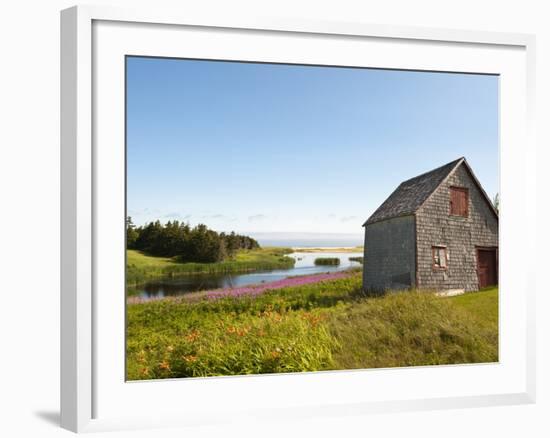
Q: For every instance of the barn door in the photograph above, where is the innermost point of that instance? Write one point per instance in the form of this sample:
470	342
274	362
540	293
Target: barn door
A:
487	267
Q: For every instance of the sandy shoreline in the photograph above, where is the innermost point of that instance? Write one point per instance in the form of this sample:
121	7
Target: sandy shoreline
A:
320	249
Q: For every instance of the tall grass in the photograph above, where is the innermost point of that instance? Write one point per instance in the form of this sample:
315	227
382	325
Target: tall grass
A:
413	328
324	326
228	344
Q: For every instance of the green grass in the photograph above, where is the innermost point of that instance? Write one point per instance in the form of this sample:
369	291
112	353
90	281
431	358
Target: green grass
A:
141	268
322	261
324	326
417	328
482	305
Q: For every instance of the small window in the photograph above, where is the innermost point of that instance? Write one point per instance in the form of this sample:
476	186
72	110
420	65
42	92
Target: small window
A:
439	255
459	201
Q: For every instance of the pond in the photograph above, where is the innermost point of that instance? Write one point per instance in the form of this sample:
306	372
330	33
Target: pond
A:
192	283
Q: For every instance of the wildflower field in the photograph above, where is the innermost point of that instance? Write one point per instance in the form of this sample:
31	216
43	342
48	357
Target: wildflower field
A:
302	325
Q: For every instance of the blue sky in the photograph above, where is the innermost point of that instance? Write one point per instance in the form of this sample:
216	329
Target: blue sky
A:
264	148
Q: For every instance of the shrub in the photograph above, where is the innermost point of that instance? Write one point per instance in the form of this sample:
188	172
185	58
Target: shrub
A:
327	261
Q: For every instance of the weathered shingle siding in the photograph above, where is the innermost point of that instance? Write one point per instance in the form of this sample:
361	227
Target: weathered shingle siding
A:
389	254
435	226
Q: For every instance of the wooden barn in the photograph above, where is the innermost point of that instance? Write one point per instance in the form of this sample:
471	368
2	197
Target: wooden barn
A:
438	231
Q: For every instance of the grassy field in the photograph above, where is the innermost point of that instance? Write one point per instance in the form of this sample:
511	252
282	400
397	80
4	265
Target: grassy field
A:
325	326
141	267
483	305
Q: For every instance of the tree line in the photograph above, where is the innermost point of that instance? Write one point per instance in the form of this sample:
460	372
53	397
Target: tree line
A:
190	244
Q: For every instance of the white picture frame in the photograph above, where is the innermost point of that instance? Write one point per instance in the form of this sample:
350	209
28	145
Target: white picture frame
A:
94	37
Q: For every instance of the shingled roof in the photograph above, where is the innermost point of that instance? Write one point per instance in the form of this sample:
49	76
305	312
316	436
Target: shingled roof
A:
411	194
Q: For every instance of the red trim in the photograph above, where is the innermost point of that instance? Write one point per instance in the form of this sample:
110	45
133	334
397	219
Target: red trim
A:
467	206
486	248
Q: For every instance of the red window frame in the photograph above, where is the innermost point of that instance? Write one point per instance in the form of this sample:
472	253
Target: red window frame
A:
459	201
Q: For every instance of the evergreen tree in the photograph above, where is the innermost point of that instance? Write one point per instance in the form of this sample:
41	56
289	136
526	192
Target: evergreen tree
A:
174	239
131	233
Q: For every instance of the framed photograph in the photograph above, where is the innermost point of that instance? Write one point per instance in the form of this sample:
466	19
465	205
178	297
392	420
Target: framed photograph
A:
257	208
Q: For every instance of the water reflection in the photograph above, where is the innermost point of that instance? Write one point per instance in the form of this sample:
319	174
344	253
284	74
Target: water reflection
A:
191	283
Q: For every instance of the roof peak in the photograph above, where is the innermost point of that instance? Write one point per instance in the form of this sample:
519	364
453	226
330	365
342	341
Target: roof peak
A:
454	163
411	194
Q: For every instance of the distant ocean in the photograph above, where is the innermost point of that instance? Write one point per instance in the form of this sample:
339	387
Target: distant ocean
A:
308	240
311	243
